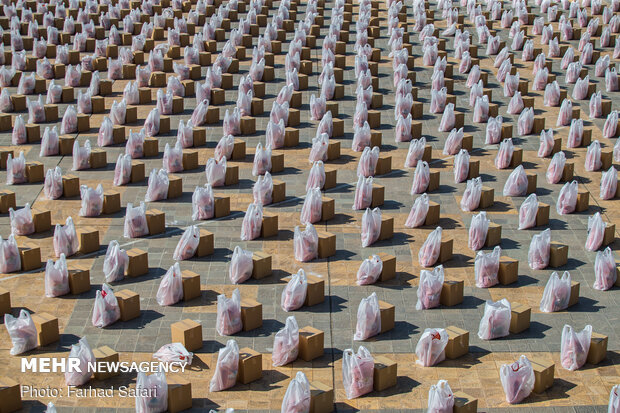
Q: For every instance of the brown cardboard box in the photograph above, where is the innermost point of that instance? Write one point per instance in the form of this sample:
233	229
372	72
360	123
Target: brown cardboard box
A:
327	208
486	197
191	285
337	127
321	398
150	147
42	219
206	243
451	293
261	267
238	149
389	266
458	342
291	137
7	201
5	301
315	293
232	175
378	195
222	206
464	403
111	202
156	221
494	235
277	162
531	183
138	262
164	124
187	332
10	393
574	293
542	215
508	270
445	250
520	317
333	150
330	178
609	234
83	125
544	372
4	155
33	133
278	194
30	255
311	343
387	228
129	303
70	186
175	186
517	158
89	239
34	172
251	314
384	164
190	159
250	366
474	169
105	355
79	280
598	348
583	200
118	134
199	135
248	127
388	314
432	217
47	328
385	373
179	394
269	227
327	244
559	254
98	158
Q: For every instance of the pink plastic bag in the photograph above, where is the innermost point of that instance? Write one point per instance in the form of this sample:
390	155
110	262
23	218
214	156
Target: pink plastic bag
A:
170	289
429	252
595	106
252	222
297	396
312	208
487	267
557	293
363	193
368	318
546	143
419	210
174	353
368	162
593	157
539	252
286	344
567	200
263	189
357	372
173	158
56	278
306	243
16	169
516	184
575	347
158	183
478	231
552	94
115	263
316	177
92	201
21	221
188	244
447	119
454	142
371	226
225	375
135	221
611	125
317	107
504	154
609	183
53	187
605	275
81	156
122	170
203	203
294	294
528	212
65	239
105	310
10	260
429	289
421	178
495	322
415	152
431	347
361	137
275	134
471	195
596	232
461	166
151	124
575	133
370	270
517	380
318	152
403	129
262	160
229	314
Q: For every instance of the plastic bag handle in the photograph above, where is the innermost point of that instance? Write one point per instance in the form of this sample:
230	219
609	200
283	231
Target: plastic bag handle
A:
513	366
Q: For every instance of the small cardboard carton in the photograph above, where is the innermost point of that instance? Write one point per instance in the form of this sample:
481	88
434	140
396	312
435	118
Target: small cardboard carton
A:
388	314
179	394
10	393
388	271
138	262
315	293
191	285
47	328
129	303
105	355
544	374
451	293
458	342
321	398
250	366
251	314
261	267
311	343
598	348
520	317
385	373
187	332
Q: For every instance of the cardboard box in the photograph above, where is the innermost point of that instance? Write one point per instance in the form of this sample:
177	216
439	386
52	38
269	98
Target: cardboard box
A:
337	127
206	243
7	201
79	280
222	206
321	398
83	125
10	393
191	285
542	215
150	147
277	162
98	158
520	317
175	186
327	244
261	267
5	301
70	186
190	159
330	177
111	202
232	175
508	270
384	164
269	226
4	155
464	403
494	235
179	394
458	342
387	228
388	313
574	293
451	293
30	255
432	216
47	328
445	250
315	293
311	343
138	262
291	137
105	355
278	194
378	195
129	304
486	197
388	271
42	219
33	132
251	314
609	235
384	374
583	200
544	374
89	239
187	332
531	183
333	150
248	127
327	208
559	255
598	348
238	149
156	221
250	366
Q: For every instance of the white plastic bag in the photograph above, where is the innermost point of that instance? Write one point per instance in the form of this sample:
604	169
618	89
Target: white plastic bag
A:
92	201
263	189
252	222
440	398
574	347
306	243
157	189
370	270
56	277
371	226
294	294
368	162
65	239
173	158
188	244
516	184
170	289
228	320
368	318
105	310
357	372
605	275
22	331
286	343
517	380
135	221
215	171
203	203
528	212
115	263
429	289
21	221
596	232
84	354
174	353
311	211
567	200
81	156
419	210
421	178
557	293
555	171
486	268
316	177
152	393
429	252
297	396
241	265
16	169
431	347
478	231
495	322
262	160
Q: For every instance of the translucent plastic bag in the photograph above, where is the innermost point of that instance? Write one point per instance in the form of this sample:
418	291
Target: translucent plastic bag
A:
157	189
82	352
478	231
517	380
16	169
495	322
174	353
122	170
311	210
575	346
241	265
546	143
115	263
188	244
22	332
81	156
357	372
447	119
371	226
262	160
611	125
152	393
454	142
297	396
429	252
440	398
173	158
609	183
105	135
21	221
430	349
596	232
528	212
229	314
263	189
135	221
556	294
216	172
429	289
252	222
604	270
105	310
516	184
361	137
525	122
306	243
419	210
170	289
363	193
224	148
461	166
65	239
370	270
504	154
593	157
368	318
92	201
18	135
471	195
49	142
567	200
368	162
487	267
203	203
575	133
316	177
552	94
151	124
421	178
286	343
294	294
318	152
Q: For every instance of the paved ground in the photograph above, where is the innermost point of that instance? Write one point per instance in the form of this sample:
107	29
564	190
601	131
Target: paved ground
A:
476	374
